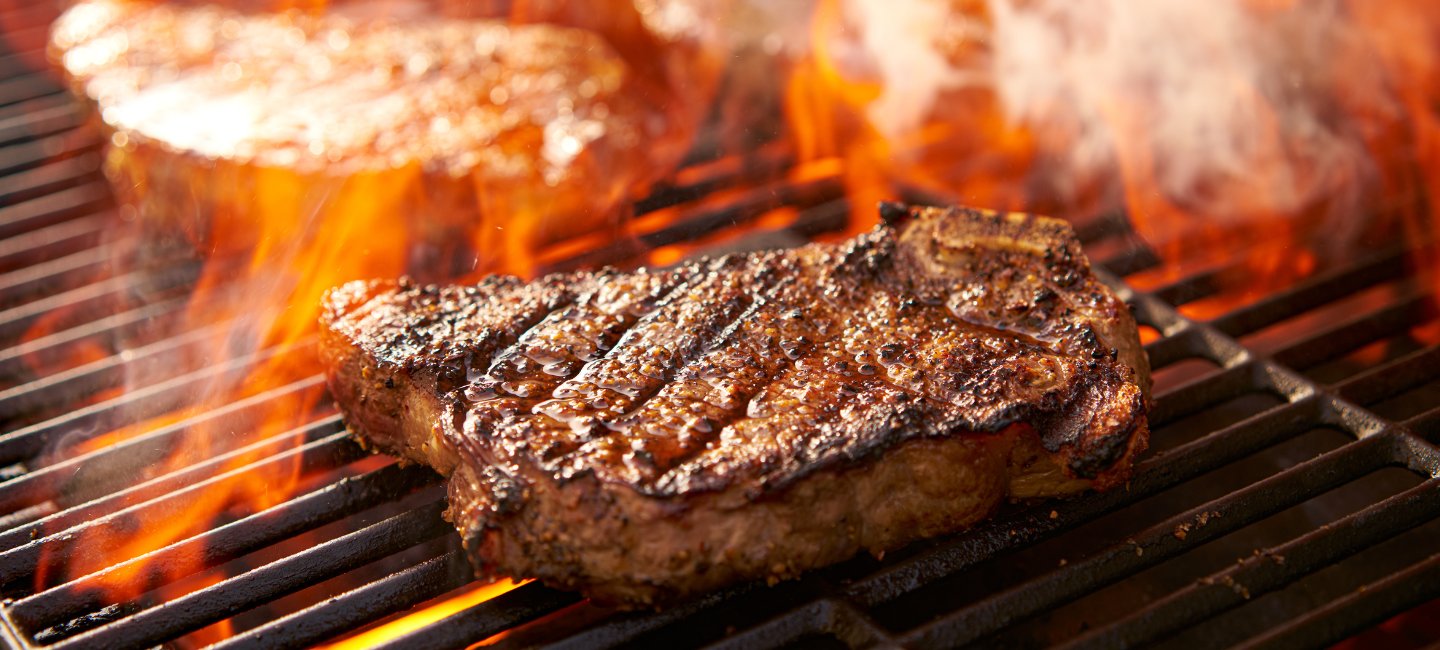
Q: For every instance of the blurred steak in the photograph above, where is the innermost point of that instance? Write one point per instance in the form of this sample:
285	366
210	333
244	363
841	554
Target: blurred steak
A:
647	436
235	126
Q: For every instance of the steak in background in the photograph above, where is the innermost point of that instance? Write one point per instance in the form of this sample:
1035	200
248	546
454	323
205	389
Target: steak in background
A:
647	436
460	136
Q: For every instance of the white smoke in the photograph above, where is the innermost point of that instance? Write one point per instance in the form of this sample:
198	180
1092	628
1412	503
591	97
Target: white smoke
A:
1231	106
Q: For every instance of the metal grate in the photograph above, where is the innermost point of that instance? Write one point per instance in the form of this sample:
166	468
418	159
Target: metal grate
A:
1293	496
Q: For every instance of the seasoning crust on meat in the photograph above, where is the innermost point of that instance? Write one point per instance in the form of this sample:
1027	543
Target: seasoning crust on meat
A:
650	435
226	120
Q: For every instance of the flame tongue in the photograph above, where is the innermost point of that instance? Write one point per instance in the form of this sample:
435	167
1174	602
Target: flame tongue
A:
1268	133
291	152
1245	135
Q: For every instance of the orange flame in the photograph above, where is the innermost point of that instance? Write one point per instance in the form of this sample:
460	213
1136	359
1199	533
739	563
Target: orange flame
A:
275	238
1267	138
468	597
823	104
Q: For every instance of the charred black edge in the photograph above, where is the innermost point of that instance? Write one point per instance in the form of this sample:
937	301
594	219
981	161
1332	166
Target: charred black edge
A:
1098	454
1106	453
894	213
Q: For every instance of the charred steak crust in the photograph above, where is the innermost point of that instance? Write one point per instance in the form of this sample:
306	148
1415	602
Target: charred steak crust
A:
646	436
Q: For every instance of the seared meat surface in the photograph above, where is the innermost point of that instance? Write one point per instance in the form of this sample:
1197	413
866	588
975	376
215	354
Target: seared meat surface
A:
650	435
231	125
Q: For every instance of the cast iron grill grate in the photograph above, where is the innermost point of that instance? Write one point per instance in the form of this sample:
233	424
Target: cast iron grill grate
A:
1293	496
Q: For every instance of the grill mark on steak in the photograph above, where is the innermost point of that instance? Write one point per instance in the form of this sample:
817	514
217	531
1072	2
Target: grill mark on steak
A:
867	411
645	360
495	314
551	345
790	337
510	381
674	425
821	391
935	366
485	415
841	366
600	322
714	390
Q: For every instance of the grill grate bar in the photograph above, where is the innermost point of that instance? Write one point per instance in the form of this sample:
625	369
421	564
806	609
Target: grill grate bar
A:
520	605
359	606
1025	527
89	301
1149	312
1191	287
1392	377
224	543
1330	342
51	177
834	617
1189	280
1196	395
700	180
162	360
1177	347
623	629
106	333
62	274
1314	292
74	203
1132	259
325	438
1106	226
1309	293
1272	568
44	150
42	483
50	242
24	561
23	87
39	117
234	595
1356	611
133	406
731	208
165	437
1156	544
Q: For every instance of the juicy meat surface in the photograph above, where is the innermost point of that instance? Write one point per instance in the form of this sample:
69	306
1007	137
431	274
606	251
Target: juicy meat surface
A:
224	119
649	435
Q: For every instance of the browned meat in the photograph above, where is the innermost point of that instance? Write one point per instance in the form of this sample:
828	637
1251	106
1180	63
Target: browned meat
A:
230	126
646	436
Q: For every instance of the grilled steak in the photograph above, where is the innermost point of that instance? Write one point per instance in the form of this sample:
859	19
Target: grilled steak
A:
646	436
229	126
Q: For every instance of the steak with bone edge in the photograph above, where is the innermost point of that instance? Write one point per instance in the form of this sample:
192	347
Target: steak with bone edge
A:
647	436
